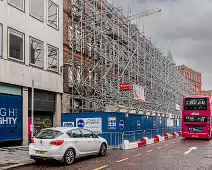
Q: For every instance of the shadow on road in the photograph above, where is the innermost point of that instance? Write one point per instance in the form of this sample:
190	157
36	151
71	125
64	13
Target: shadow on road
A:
196	139
57	163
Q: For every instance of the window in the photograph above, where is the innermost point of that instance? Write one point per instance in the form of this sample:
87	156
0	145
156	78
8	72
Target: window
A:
71	77
78	72
87	133
76	133
16	45
49	134
1	40
17	3
52	58
53	11
36	52
37	8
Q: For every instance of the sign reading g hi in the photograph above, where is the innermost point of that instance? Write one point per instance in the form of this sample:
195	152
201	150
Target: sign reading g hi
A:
10	117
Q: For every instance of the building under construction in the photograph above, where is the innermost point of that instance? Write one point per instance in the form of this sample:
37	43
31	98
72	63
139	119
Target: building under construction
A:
109	63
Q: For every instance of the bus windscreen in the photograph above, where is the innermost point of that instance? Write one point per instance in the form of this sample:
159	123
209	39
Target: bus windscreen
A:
195	104
195	119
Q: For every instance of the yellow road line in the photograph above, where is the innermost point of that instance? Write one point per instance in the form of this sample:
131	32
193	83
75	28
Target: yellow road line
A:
101	167
138	155
122	160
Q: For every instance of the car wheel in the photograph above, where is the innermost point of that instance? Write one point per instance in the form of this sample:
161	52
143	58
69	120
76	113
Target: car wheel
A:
69	156
103	150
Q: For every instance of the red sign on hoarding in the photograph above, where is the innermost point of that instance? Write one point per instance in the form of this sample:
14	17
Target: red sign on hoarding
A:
125	87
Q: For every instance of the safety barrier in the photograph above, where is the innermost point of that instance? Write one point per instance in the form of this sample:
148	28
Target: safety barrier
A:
114	139
153	135
145	141
134	136
141	137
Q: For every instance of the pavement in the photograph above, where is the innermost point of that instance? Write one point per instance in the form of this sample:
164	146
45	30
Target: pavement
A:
173	154
14	156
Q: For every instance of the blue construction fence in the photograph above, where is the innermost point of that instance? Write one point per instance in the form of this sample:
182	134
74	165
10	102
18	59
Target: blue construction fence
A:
116	127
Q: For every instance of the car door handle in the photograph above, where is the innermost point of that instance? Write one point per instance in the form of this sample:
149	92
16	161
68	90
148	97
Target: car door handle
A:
76	141
89	141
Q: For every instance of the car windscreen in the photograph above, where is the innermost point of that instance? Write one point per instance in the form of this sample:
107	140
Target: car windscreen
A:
48	134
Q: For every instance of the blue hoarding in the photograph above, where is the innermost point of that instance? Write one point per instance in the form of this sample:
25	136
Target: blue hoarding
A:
113	124
10	118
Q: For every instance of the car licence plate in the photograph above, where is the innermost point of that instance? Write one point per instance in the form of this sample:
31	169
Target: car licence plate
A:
40	153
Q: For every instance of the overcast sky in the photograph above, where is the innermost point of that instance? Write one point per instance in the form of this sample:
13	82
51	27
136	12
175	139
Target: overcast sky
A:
184	27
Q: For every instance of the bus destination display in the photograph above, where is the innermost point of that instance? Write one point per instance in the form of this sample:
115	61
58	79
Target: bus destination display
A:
195	118
196	104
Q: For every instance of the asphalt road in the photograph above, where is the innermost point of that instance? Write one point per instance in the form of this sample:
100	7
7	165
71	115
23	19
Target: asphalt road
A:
173	154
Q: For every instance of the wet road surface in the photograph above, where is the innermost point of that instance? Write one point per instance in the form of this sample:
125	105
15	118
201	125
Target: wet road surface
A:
173	154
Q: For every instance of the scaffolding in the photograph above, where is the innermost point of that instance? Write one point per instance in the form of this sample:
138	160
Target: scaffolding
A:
107	50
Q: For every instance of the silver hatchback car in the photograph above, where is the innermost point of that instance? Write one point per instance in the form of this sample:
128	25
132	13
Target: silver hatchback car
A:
66	144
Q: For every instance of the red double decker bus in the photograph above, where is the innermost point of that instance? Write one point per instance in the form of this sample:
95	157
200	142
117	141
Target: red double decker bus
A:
196	117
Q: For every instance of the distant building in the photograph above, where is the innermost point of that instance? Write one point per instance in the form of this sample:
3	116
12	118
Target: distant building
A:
207	93
194	77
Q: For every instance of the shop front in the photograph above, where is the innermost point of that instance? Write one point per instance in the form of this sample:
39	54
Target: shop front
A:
11	114
44	110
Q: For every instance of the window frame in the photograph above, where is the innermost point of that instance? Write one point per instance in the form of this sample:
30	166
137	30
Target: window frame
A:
49	69
30	12
31	64
1	40
13	5
88	131
47	16
59	133
8	44
70	134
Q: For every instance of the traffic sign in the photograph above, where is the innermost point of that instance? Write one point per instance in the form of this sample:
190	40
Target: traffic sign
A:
154	124
138	124
80	123
121	124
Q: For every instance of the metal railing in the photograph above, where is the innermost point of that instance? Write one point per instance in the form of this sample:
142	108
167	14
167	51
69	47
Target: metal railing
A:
134	136
115	139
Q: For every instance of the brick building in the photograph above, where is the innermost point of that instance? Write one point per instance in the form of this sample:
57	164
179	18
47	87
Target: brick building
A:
194	77
207	93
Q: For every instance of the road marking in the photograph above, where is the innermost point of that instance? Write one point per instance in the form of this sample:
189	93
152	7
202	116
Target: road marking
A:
138	155
167	145
122	160
189	150
149	151
101	167
159	147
